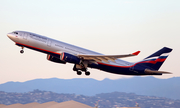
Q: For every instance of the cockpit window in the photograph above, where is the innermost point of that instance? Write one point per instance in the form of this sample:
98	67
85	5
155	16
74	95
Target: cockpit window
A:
15	32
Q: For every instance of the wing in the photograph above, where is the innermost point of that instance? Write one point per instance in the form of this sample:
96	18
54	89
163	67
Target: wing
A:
106	58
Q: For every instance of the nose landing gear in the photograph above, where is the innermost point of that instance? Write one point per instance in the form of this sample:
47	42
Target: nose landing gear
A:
22	51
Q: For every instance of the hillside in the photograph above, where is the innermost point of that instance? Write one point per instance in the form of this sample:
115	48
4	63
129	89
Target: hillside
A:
106	100
169	88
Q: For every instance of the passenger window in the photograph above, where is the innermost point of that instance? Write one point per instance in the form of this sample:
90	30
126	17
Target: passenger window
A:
15	32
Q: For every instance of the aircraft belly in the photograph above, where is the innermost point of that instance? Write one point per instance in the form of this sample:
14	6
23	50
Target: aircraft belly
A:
116	70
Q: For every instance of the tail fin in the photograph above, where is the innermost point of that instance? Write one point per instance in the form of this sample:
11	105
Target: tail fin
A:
155	60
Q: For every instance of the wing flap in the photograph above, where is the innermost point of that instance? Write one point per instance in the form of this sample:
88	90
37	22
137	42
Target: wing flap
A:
111	58
106	58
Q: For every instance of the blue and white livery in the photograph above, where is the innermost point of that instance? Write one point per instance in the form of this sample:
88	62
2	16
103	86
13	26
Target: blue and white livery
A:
60	52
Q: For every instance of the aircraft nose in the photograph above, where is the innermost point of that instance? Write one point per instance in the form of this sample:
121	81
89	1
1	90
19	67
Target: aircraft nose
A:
10	35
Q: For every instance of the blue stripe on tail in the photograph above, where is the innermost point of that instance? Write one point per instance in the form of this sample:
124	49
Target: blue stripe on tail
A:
160	52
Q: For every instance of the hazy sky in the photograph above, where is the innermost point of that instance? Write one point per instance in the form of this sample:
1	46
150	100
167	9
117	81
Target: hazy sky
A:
105	26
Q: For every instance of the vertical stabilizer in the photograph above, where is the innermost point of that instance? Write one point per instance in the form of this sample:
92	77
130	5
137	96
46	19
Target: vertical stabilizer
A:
156	60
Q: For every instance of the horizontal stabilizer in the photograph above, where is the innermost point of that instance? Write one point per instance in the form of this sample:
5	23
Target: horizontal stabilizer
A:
154	71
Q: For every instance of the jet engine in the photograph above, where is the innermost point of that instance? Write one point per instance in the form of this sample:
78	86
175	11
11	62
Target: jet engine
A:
70	58
55	59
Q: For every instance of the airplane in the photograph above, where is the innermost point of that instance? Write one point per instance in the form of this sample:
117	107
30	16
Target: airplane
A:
61	52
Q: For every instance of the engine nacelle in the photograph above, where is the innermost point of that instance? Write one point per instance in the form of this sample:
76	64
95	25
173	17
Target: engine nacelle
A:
55	59
70	58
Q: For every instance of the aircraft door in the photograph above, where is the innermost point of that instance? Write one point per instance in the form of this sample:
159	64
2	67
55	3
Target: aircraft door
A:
49	42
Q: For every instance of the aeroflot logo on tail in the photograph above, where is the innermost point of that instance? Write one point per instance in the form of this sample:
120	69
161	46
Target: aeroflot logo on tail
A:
164	55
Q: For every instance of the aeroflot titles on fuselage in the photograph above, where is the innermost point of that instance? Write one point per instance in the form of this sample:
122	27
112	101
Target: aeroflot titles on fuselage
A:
45	40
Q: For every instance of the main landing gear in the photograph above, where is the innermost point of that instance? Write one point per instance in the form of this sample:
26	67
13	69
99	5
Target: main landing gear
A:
81	68
22	51
80	72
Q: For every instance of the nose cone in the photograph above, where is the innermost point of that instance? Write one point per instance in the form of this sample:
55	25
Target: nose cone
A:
10	35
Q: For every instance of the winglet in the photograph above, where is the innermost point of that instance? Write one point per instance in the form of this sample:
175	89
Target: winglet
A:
136	53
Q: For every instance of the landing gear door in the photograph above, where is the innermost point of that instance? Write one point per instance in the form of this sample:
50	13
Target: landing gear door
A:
49	42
